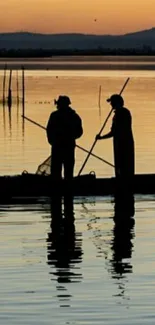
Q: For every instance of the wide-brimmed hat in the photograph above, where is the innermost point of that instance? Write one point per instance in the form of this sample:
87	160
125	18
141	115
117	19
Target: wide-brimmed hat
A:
64	100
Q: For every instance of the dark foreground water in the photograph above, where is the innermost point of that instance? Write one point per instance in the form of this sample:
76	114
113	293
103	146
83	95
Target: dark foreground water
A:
83	271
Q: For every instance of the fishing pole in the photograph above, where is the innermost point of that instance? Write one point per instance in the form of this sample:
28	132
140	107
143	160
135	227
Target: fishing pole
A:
93	145
95	156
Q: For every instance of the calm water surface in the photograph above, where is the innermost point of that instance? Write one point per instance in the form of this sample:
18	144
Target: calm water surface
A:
83	270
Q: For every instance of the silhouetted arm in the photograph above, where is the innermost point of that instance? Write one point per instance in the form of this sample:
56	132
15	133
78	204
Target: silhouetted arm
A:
105	136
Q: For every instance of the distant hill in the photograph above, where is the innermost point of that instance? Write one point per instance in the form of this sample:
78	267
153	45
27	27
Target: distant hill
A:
25	40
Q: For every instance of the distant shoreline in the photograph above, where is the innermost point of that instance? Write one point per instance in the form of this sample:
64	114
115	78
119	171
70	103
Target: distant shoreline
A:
81	58
81	63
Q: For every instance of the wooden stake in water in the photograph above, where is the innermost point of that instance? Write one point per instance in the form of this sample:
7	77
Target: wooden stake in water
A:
10	91
23	90
93	145
99	101
4	82
17	84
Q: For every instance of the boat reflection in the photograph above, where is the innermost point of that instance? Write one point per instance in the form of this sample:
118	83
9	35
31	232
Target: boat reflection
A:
64	245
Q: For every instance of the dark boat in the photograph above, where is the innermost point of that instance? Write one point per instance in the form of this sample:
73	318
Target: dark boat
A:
30	188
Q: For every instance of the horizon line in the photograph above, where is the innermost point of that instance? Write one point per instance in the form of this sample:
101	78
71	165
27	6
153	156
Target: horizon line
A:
74	33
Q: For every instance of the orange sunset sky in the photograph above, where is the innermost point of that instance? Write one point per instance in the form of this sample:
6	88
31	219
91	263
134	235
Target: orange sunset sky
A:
80	16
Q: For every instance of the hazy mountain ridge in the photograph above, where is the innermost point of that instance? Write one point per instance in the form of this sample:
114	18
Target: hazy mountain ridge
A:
27	40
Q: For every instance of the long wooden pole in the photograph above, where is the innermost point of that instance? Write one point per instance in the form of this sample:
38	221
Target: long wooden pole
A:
95	156
93	145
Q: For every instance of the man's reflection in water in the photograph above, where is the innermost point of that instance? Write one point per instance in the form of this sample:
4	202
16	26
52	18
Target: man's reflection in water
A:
123	234
64	244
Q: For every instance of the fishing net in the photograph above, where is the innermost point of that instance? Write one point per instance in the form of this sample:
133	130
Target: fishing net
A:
45	167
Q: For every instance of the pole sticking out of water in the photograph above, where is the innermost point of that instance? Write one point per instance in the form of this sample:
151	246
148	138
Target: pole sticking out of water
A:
23	90
4	83
17	84
99	101
9	91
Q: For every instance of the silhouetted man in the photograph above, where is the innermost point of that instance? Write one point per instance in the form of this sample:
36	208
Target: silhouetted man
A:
63	128
123	141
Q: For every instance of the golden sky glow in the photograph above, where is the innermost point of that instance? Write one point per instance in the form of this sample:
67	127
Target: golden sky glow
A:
80	16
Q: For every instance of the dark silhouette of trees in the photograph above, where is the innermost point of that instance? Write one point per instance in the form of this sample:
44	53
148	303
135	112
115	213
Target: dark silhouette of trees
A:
48	53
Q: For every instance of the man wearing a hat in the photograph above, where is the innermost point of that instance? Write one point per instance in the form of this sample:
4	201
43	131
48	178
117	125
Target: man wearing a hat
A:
123	141
63	128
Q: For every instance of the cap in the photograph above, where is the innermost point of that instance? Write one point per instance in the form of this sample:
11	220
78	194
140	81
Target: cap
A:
62	100
116	99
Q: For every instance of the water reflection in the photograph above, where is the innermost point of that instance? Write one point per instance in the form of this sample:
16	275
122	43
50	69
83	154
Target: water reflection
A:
23	129
7	121
4	120
10	120
122	239
64	246
117	251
